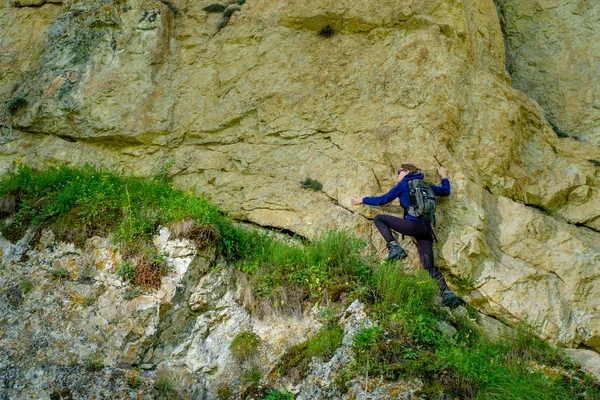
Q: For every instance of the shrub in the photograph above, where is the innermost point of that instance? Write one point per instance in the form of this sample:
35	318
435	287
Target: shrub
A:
245	345
326	342
326	31
60	273
26	286
251	374
311	184
165	385
132	294
296	360
126	271
95	362
279	395
15	104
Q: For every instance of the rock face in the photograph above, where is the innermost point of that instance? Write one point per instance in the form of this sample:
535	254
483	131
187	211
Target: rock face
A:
245	107
77	334
553	54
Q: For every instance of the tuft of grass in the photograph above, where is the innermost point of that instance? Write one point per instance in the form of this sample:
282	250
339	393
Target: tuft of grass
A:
15	104
323	345
26	286
127	271
60	273
279	395
251	374
311	184
95	362
245	345
165	385
327	31
132	294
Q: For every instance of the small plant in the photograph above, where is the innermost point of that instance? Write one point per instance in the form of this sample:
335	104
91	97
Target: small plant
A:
60	273
595	162
251	374
89	299
95	362
312	184
245	345
136	382
224	392
26	285
326	31
15	104
326	342
279	395
132	294
165	385
126	271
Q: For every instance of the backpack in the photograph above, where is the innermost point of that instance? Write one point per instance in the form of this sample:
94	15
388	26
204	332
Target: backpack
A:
422	200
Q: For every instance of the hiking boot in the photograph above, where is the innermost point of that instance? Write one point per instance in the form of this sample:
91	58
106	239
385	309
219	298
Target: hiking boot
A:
449	299
395	251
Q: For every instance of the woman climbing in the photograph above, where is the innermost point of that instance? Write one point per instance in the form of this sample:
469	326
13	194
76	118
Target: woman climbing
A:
411	225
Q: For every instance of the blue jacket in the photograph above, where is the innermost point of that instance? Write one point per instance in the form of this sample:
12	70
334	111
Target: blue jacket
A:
402	191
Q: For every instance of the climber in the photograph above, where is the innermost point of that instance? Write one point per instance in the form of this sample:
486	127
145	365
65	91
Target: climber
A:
418	227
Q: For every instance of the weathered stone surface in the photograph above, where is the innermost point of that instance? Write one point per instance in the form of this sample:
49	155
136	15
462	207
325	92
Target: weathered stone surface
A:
553	53
248	110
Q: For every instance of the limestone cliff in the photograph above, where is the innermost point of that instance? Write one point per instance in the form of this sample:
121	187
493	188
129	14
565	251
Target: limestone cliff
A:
245	103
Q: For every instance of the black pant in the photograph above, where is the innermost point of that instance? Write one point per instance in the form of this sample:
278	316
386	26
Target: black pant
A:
421	232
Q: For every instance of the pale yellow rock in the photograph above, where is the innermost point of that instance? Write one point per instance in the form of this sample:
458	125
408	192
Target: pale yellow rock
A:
247	112
553	51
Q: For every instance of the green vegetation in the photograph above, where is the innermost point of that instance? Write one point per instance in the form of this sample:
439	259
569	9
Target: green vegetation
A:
323	345
165	385
244	345
311	184
15	104
95	362
26	286
279	395
251	374
126	271
333	269
326	31
60	273
77	203
410	343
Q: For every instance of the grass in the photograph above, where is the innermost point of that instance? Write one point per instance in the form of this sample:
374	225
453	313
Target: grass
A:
323	345
333	269
312	184
327	31
77	203
15	104
245	345
26	286
95	362
469	365
165	385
